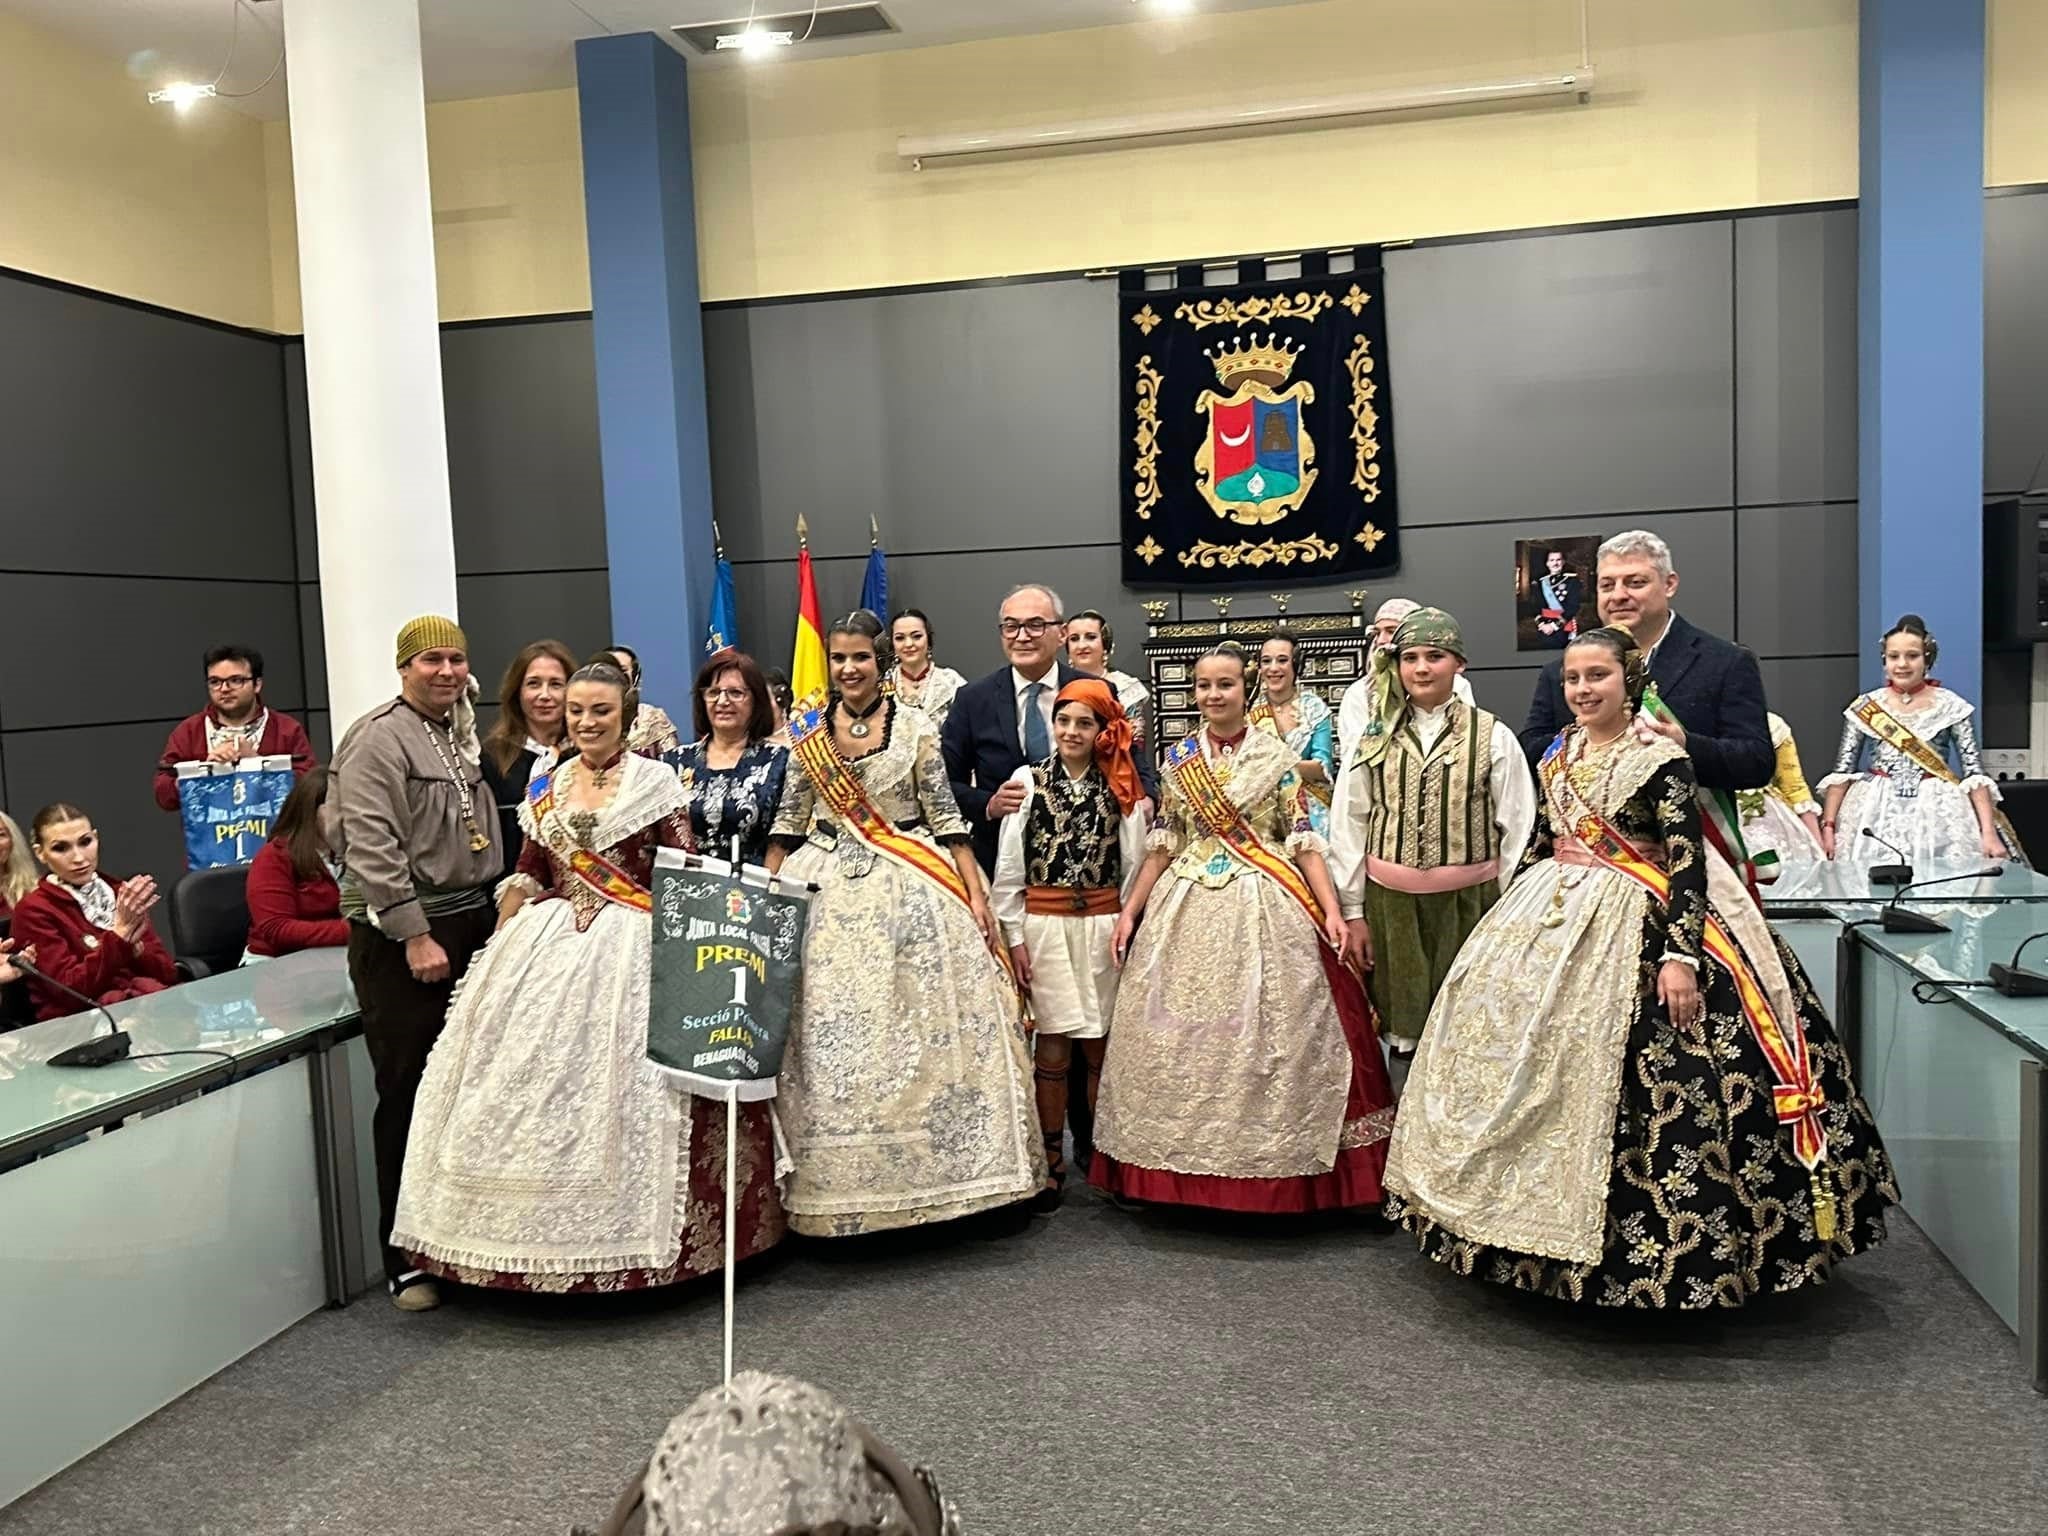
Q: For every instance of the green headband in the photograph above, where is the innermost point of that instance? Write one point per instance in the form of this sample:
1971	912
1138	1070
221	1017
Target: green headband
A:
1430	626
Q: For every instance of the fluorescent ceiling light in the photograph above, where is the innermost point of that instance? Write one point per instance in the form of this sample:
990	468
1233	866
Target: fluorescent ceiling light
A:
755	40
181	95
917	148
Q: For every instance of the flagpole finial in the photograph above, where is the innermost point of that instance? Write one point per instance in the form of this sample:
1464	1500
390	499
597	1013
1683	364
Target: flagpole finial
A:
874	532
717	539
803	532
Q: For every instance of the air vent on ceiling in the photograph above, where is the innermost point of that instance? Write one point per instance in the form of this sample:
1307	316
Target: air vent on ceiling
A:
834	24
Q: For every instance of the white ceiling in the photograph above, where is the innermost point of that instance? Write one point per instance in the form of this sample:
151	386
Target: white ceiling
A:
499	47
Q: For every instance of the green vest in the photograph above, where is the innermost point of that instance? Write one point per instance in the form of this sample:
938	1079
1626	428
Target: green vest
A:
1435	808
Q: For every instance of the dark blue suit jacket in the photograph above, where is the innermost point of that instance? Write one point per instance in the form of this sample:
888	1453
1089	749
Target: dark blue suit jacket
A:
1713	687
982	749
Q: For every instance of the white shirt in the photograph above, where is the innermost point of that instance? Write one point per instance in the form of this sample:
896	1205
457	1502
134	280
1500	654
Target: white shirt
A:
1354	713
1021	683
1514	807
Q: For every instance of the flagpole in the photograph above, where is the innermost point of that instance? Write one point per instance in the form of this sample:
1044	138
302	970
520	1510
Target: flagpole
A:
803	533
732	1136
717	539
874	532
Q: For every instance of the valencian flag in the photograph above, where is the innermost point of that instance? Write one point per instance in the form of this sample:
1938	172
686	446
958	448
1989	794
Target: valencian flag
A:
1259	419
723	631
807	662
874	586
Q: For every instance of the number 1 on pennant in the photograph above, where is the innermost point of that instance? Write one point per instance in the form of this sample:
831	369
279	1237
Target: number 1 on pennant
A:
739	986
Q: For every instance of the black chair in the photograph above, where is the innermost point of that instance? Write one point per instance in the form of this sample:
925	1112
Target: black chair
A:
209	920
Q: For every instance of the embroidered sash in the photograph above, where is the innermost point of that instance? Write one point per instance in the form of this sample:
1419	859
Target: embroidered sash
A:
1220	817
1894	732
840	788
1795	1092
1261	717
1721	819
600	874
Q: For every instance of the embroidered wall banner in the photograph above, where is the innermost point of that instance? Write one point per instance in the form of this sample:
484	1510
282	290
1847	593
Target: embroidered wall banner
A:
1258	421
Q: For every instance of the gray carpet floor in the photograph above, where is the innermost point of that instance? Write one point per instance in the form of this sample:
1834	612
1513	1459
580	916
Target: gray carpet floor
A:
1104	1374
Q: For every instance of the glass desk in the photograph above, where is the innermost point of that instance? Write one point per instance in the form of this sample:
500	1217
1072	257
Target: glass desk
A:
161	1217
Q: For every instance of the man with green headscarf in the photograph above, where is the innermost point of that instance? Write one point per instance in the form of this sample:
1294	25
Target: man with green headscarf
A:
1431	815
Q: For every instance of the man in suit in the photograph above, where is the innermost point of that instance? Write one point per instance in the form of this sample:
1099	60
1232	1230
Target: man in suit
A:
1711	685
1003	721
1559	594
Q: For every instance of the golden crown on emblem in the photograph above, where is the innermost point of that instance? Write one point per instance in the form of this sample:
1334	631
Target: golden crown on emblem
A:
1267	362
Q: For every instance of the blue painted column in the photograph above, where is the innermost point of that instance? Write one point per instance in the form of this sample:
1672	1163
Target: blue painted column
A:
653	439
1920	330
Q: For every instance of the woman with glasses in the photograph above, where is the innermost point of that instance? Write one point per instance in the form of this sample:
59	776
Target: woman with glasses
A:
86	931
528	734
915	678
905	1091
732	773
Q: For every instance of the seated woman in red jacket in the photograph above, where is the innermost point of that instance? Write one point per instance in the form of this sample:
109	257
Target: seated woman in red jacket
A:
89	932
294	902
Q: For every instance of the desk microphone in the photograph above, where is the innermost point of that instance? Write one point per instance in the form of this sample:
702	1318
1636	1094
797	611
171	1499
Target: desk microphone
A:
1897	919
1900	873
2013	981
100	1050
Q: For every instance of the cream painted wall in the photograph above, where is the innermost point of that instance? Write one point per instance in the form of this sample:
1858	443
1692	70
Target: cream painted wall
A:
99	188
2016	94
507	174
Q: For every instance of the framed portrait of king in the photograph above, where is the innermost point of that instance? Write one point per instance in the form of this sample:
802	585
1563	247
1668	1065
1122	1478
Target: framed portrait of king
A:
1554	591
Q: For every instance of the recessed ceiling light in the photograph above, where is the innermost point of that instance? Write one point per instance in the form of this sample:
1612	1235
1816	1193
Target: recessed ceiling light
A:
180	95
1173	7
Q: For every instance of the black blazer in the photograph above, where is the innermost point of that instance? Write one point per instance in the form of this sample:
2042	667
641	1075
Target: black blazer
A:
1714	688
981	745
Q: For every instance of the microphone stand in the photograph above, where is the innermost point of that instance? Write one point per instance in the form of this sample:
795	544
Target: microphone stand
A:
98	1051
1900	873
1897	919
2013	981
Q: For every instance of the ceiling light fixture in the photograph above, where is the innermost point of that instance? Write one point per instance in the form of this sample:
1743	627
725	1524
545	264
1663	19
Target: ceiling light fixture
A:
181	95
754	40
918	148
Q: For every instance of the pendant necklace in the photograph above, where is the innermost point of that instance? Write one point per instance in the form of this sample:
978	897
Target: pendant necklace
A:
857	721
479	839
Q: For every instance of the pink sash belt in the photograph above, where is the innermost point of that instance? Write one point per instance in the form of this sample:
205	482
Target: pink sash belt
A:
1429	882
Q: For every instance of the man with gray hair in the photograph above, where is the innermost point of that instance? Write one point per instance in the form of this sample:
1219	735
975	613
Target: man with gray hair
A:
1711	687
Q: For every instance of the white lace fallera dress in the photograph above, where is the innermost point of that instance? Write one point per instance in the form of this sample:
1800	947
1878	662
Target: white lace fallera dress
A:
1931	819
905	1092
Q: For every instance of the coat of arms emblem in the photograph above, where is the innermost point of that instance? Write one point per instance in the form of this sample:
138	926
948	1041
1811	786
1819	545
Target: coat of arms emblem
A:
1256	463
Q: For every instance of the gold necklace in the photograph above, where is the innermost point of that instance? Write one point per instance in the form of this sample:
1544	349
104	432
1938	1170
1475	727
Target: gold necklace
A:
479	839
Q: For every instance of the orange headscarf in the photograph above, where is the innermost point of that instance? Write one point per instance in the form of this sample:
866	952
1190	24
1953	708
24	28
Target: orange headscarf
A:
1113	746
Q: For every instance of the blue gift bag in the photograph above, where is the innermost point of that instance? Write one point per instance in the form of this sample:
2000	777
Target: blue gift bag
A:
229	809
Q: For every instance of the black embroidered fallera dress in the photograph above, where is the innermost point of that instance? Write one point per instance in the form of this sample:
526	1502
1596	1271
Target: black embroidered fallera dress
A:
1560	1134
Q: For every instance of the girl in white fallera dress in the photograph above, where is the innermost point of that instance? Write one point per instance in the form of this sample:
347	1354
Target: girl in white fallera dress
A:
915	678
1781	821
1909	770
1064	862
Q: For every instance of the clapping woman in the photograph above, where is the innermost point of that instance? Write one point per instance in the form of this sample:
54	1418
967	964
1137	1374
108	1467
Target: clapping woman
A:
88	932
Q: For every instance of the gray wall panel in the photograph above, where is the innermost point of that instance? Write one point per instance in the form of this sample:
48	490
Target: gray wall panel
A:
1573	373
1506	691
1810	693
501	613
1795	357
2015	339
139	442
313	645
320	728
299	444
106	772
157	674
978	418
1796	571
521	403
2004	714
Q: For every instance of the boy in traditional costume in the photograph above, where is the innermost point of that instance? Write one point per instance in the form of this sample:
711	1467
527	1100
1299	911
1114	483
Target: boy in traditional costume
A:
1431	815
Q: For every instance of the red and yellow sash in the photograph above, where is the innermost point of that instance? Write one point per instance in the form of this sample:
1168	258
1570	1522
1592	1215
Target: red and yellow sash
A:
1894	732
841	790
601	875
1219	815
1795	1091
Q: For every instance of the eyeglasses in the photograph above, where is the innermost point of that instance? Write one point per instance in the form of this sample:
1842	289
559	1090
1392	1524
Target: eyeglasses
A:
1030	629
735	694
221	684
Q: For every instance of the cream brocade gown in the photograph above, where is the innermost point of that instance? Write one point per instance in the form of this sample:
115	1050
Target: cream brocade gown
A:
906	1089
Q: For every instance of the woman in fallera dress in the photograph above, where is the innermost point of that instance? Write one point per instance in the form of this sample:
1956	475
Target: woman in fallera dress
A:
1243	1070
1781	821
547	1153
1626	1093
915	677
1909	770
1300	718
733	773
905	1089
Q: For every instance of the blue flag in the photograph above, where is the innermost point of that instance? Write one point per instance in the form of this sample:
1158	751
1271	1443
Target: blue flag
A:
874	587
724	628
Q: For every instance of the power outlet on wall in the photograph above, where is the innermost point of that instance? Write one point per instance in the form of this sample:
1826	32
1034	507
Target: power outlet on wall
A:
2006	762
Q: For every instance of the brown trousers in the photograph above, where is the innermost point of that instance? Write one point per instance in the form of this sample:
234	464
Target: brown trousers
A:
402	1019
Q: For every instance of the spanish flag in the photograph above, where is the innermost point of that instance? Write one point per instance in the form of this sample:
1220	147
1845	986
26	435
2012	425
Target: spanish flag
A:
807	663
